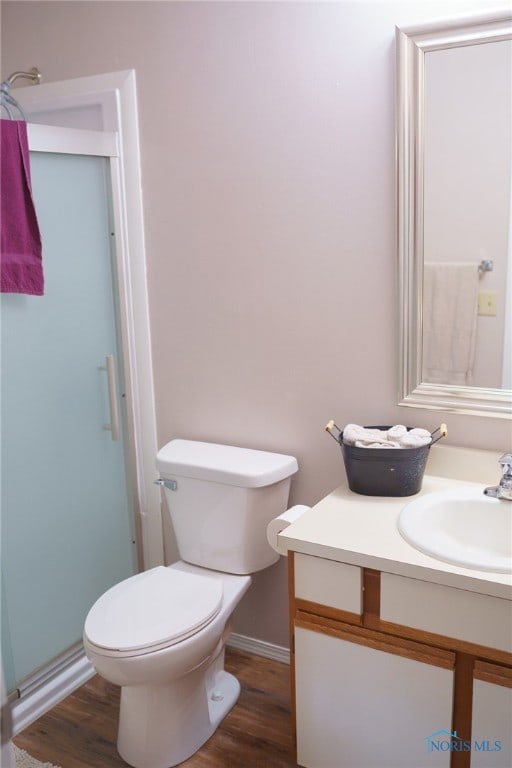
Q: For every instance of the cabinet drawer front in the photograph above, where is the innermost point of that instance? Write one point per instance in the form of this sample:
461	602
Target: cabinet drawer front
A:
447	611
328	582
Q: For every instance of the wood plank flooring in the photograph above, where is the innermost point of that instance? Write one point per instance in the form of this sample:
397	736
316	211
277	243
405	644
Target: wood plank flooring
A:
81	731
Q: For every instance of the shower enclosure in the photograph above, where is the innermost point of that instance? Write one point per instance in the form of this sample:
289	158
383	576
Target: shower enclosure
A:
67	507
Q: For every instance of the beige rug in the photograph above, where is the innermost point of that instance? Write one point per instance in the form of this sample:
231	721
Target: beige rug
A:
24	760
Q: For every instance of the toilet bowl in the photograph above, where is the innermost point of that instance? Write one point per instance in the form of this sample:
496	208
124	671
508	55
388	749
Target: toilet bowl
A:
161	634
172	671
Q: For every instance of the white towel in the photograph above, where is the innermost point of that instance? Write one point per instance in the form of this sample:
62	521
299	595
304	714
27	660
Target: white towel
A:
414	441
394	437
354	434
397	432
450	310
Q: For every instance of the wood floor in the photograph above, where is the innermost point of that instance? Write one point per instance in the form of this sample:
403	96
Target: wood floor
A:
81	731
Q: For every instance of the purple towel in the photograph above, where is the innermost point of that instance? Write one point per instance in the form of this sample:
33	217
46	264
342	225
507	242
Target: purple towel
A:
20	242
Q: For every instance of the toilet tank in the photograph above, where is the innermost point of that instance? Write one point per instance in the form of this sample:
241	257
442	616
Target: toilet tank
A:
221	499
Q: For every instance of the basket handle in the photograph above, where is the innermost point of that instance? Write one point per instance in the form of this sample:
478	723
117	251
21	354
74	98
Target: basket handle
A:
329	428
443	432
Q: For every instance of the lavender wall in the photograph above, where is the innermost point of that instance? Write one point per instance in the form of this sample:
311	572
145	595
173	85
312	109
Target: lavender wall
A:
267	142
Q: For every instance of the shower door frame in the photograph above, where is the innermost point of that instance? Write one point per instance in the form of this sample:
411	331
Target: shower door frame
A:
115	94
114	97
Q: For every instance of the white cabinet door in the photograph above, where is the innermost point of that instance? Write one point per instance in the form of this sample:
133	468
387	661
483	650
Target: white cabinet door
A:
492	725
358	707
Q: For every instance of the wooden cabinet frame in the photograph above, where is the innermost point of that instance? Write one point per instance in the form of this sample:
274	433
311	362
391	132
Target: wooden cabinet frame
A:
468	660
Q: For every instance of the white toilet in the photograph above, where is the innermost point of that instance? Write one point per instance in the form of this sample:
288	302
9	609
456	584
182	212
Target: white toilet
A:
160	635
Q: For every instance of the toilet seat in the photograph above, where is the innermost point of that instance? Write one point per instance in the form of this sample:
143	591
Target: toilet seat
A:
152	610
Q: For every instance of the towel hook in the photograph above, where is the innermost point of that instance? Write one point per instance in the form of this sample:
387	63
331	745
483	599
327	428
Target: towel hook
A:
33	74
8	102
486	265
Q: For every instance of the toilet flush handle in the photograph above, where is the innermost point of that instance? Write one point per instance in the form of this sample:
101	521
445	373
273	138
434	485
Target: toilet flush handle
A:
172	485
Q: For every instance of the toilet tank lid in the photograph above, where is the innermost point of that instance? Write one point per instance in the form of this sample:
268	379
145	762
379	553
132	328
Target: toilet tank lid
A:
243	467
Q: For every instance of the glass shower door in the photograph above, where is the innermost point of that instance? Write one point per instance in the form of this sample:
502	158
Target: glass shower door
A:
67	518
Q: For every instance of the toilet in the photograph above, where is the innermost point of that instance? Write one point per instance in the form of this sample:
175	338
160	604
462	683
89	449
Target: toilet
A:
161	634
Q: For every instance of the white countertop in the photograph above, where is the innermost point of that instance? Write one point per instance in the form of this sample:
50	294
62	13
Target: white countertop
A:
362	530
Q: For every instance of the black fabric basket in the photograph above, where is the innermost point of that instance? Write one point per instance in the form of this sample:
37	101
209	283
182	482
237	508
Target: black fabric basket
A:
384	471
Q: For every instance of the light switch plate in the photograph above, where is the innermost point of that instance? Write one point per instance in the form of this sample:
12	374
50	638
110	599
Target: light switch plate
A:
488	303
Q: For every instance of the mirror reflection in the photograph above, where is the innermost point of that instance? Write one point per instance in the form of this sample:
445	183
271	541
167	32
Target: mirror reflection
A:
467	181
454	131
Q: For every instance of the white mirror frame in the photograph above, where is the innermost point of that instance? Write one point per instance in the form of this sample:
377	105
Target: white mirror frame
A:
412	43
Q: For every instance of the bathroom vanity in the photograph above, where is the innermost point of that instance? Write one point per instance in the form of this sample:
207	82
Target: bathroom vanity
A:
398	660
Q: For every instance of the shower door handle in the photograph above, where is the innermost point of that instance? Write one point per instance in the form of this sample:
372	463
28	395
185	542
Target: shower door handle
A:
110	368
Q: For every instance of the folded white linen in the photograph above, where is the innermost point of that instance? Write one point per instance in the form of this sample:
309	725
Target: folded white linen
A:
364	444
420	432
414	441
354	432
396	432
395	437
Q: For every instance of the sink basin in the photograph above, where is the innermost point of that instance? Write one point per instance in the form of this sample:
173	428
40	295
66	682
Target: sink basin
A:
461	526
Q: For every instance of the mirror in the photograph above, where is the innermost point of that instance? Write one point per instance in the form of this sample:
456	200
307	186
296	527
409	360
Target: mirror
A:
454	184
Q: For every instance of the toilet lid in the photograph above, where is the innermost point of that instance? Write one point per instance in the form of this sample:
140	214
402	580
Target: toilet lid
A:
153	609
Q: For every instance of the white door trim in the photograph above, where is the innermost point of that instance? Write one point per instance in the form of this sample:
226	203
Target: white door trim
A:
114	95
49	138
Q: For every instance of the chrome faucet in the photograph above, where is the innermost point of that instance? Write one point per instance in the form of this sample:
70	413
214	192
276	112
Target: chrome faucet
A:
504	489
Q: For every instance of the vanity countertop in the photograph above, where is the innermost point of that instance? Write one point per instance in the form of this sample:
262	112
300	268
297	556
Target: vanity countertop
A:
362	530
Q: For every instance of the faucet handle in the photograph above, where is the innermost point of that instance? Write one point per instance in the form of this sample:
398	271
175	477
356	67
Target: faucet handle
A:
506	463
504	489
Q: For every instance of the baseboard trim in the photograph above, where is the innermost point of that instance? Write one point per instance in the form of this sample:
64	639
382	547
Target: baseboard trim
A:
259	647
51	686
54	685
